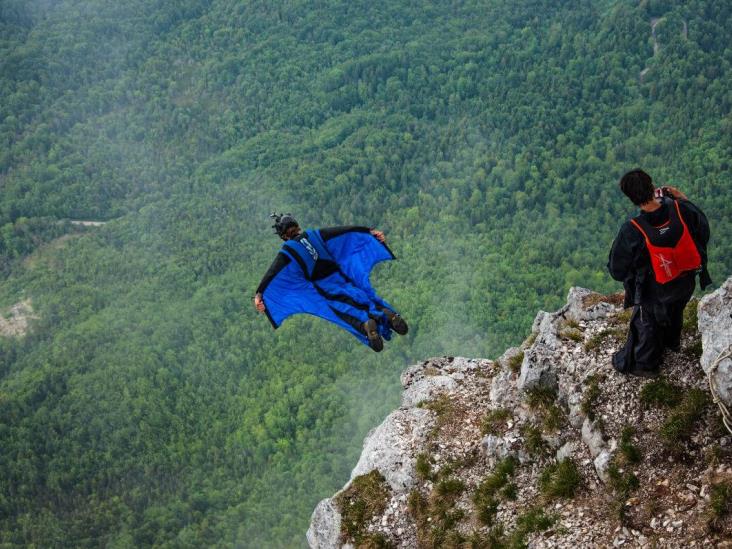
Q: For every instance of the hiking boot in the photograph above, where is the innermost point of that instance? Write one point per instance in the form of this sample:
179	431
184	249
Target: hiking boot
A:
372	333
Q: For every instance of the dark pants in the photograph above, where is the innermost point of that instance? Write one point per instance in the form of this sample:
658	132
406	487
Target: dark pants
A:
653	329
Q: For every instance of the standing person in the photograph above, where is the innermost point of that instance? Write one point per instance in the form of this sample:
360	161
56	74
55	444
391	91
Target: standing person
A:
325	272
657	255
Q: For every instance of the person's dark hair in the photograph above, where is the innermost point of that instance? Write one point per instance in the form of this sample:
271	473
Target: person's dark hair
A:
638	186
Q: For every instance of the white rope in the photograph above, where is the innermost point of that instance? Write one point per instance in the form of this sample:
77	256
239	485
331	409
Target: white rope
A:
726	414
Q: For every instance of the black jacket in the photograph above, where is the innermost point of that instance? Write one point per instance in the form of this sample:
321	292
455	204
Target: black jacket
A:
630	263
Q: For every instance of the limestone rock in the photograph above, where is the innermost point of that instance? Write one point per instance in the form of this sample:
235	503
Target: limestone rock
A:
390	448
584	304
715	325
503	389
325	526
602	463
593	438
497	448
537	369
567	450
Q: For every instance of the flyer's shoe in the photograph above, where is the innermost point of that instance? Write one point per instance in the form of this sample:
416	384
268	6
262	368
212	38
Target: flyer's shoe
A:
372	334
398	324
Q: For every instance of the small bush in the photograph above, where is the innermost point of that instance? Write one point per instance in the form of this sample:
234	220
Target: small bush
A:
541	396
531	521
553	418
690	324
661	393
485	495
720	500
590	396
492	422
535	445
560	480
680	424
628	451
423	467
514	363
366	497
449	488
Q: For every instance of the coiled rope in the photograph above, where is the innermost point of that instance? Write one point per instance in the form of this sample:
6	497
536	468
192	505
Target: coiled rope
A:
726	414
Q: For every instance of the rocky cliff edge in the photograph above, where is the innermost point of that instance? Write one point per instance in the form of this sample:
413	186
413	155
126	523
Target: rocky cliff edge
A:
549	447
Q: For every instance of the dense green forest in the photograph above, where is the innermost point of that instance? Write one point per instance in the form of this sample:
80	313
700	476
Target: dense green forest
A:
150	405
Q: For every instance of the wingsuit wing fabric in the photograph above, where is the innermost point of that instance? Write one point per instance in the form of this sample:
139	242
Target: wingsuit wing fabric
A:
357	253
290	291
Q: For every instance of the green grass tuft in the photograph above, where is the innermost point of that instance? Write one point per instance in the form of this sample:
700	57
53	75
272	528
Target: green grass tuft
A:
514	363
679	426
449	488
366	497
531	521
691	321
493	421
590	396
423	467
661	393
553	418
622	483
694	349
444	409
720	500
628	451
533	442
560	480
541	396
486	495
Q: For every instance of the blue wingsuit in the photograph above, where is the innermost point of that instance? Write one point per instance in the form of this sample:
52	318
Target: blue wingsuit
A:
325	272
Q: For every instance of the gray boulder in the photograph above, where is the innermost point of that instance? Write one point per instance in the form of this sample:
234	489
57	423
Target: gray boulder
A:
325	526
715	326
392	447
537	369
584	304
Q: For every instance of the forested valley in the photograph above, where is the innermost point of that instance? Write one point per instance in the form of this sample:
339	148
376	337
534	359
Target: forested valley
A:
149	404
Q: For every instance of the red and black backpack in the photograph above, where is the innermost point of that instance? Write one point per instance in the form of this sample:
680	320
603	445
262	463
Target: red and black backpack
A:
671	247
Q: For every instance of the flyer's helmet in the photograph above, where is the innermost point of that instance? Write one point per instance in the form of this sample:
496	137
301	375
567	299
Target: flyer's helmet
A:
282	222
